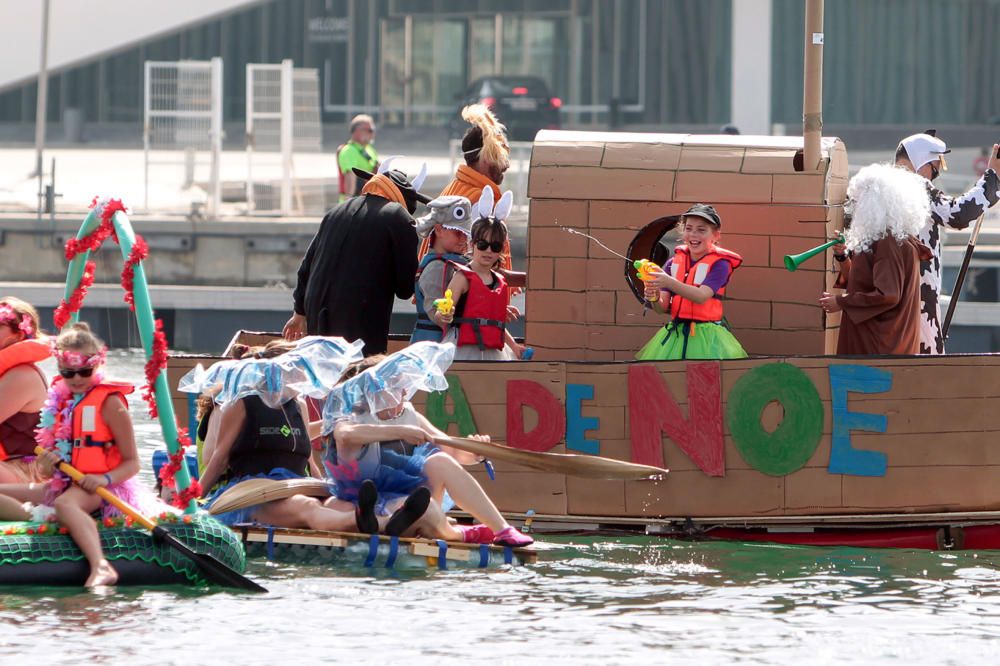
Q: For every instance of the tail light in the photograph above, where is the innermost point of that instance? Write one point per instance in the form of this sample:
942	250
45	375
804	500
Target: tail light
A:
555	103
489	102
521	90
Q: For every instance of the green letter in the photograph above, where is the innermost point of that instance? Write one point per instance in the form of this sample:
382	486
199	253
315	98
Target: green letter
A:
462	415
791	445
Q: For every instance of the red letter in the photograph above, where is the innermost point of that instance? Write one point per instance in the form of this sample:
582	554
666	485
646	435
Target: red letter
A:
551	416
652	410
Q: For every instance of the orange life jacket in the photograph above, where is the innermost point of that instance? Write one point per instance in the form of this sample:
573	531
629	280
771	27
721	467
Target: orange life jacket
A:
682	269
483	318
94	448
25	352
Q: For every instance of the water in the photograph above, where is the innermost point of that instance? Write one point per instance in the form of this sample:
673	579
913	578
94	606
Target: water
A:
587	601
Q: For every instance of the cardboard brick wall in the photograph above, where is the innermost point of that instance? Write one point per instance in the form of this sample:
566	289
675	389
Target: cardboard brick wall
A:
610	185
939	442
942	425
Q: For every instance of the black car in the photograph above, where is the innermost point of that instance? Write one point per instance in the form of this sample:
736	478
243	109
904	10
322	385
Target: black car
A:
522	103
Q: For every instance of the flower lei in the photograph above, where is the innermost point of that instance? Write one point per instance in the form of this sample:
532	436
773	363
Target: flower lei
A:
168	473
51	526
55	429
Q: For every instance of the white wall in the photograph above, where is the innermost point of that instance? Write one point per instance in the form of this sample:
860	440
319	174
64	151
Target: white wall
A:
81	30
751	52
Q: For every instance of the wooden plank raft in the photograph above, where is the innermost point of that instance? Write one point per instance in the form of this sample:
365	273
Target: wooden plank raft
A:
468	554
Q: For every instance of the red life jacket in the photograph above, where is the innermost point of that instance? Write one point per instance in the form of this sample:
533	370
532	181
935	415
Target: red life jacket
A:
94	448
484	311
682	269
17	434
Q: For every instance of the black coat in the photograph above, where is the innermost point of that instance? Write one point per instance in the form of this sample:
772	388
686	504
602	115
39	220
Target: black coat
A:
363	255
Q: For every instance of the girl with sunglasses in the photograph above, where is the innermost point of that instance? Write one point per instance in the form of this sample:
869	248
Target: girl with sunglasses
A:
23	387
84	421
479	319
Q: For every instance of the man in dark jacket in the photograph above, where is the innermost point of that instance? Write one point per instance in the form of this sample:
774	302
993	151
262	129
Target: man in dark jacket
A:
364	255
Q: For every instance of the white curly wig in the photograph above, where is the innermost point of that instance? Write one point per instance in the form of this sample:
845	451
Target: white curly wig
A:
883	199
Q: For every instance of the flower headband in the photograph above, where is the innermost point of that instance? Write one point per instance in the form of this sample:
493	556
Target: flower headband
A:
15	320
74	359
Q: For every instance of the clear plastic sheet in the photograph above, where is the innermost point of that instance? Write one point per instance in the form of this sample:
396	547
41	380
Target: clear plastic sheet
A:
311	369
419	367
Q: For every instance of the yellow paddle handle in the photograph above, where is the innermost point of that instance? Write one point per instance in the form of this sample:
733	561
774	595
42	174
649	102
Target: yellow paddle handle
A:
104	493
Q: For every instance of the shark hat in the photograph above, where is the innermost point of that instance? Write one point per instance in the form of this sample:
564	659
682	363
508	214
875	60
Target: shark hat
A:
451	212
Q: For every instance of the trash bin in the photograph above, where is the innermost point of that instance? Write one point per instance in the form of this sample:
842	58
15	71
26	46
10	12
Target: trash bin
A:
73	125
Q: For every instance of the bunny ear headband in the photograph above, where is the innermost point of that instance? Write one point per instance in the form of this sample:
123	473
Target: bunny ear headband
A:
503	207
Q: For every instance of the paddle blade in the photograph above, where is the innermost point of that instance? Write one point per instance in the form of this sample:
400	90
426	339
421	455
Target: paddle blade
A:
254	492
584	466
213	570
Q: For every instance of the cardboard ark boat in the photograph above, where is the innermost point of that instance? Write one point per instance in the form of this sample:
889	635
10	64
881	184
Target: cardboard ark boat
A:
793	445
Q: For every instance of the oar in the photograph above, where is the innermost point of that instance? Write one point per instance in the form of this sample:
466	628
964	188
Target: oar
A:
956	293
254	492
960	280
592	467
214	570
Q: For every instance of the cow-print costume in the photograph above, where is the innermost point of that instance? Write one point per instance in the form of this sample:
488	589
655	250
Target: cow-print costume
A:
956	213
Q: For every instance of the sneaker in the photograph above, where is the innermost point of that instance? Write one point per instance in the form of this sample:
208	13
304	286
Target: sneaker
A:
509	536
411	511
364	513
477	533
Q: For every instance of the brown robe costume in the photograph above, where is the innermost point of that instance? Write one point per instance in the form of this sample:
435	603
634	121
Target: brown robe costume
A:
881	305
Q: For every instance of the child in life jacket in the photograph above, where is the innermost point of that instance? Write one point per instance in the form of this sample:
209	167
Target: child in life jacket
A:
479	319
23	389
448	226
690	288
85	422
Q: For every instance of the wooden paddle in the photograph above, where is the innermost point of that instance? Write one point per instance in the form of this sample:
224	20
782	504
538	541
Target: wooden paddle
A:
214	570
591	467
254	492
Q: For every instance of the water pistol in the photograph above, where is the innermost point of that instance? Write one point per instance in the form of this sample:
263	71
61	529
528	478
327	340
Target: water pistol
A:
646	270
444	305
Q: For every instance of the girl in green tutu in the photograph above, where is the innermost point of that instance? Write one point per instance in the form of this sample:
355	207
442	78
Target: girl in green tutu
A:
690	288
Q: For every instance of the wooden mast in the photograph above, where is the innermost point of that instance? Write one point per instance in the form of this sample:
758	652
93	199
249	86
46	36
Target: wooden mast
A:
812	94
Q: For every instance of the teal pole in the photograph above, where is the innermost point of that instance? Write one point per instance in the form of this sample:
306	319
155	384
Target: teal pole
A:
147	327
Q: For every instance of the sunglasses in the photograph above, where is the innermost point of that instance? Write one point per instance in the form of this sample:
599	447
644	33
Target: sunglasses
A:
70	373
483	244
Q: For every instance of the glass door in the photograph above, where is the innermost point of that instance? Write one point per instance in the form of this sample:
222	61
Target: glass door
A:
423	68
482	47
439	68
537	46
393	71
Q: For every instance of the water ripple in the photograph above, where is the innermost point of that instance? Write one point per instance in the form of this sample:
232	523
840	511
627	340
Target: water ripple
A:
588	601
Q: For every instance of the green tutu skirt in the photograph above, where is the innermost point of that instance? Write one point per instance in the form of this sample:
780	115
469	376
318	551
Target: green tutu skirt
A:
692	340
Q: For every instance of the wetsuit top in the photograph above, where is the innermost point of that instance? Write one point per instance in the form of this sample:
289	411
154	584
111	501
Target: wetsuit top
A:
270	438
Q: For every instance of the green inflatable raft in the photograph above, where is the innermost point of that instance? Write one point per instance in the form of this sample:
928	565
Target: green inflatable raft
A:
38	554
189	548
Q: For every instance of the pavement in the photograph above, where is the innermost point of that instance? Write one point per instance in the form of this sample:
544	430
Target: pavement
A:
85	171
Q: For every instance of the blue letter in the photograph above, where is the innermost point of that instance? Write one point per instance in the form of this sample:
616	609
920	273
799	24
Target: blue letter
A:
576	424
844	458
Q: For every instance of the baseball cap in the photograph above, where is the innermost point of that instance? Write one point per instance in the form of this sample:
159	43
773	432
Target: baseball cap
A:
706	212
923	148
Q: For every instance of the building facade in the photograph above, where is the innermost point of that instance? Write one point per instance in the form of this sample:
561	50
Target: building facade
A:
661	63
